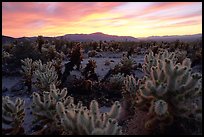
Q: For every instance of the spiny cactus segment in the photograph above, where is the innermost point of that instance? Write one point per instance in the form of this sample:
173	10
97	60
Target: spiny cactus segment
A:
13	114
45	75
82	121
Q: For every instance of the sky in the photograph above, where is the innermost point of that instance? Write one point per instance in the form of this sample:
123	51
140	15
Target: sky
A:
137	19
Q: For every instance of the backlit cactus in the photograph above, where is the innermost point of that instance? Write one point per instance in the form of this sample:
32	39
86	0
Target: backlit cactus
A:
127	62
125	66
12	115
160	107
57	63
83	121
44	107
116	81
180	55
27	71
171	90
89	70
130	84
5	56
75	59
45	75
51	53
151	60
130	92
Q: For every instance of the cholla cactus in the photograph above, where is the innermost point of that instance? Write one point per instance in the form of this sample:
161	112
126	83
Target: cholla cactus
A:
171	90
45	75
13	115
40	42
5	55
129	92
51	53
27	71
57	63
127	62
150	60
116	81
130	84
180	55
89	70
81	121
42	67
125	66
44	107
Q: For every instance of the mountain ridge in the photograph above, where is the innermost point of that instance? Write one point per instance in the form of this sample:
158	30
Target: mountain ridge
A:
99	36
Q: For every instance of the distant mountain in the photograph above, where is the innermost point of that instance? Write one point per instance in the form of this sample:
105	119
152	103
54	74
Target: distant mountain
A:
7	39
105	37
186	38
97	37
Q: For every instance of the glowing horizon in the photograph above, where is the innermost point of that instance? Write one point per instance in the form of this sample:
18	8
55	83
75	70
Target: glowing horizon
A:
137	19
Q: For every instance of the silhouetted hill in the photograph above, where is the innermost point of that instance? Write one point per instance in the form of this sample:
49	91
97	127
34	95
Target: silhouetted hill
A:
97	37
7	39
186	38
105	37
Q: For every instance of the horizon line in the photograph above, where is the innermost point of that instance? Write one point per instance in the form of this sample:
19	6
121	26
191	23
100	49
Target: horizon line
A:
105	34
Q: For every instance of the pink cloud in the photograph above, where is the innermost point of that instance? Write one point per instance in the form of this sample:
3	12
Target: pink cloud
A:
20	17
179	24
52	13
151	12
